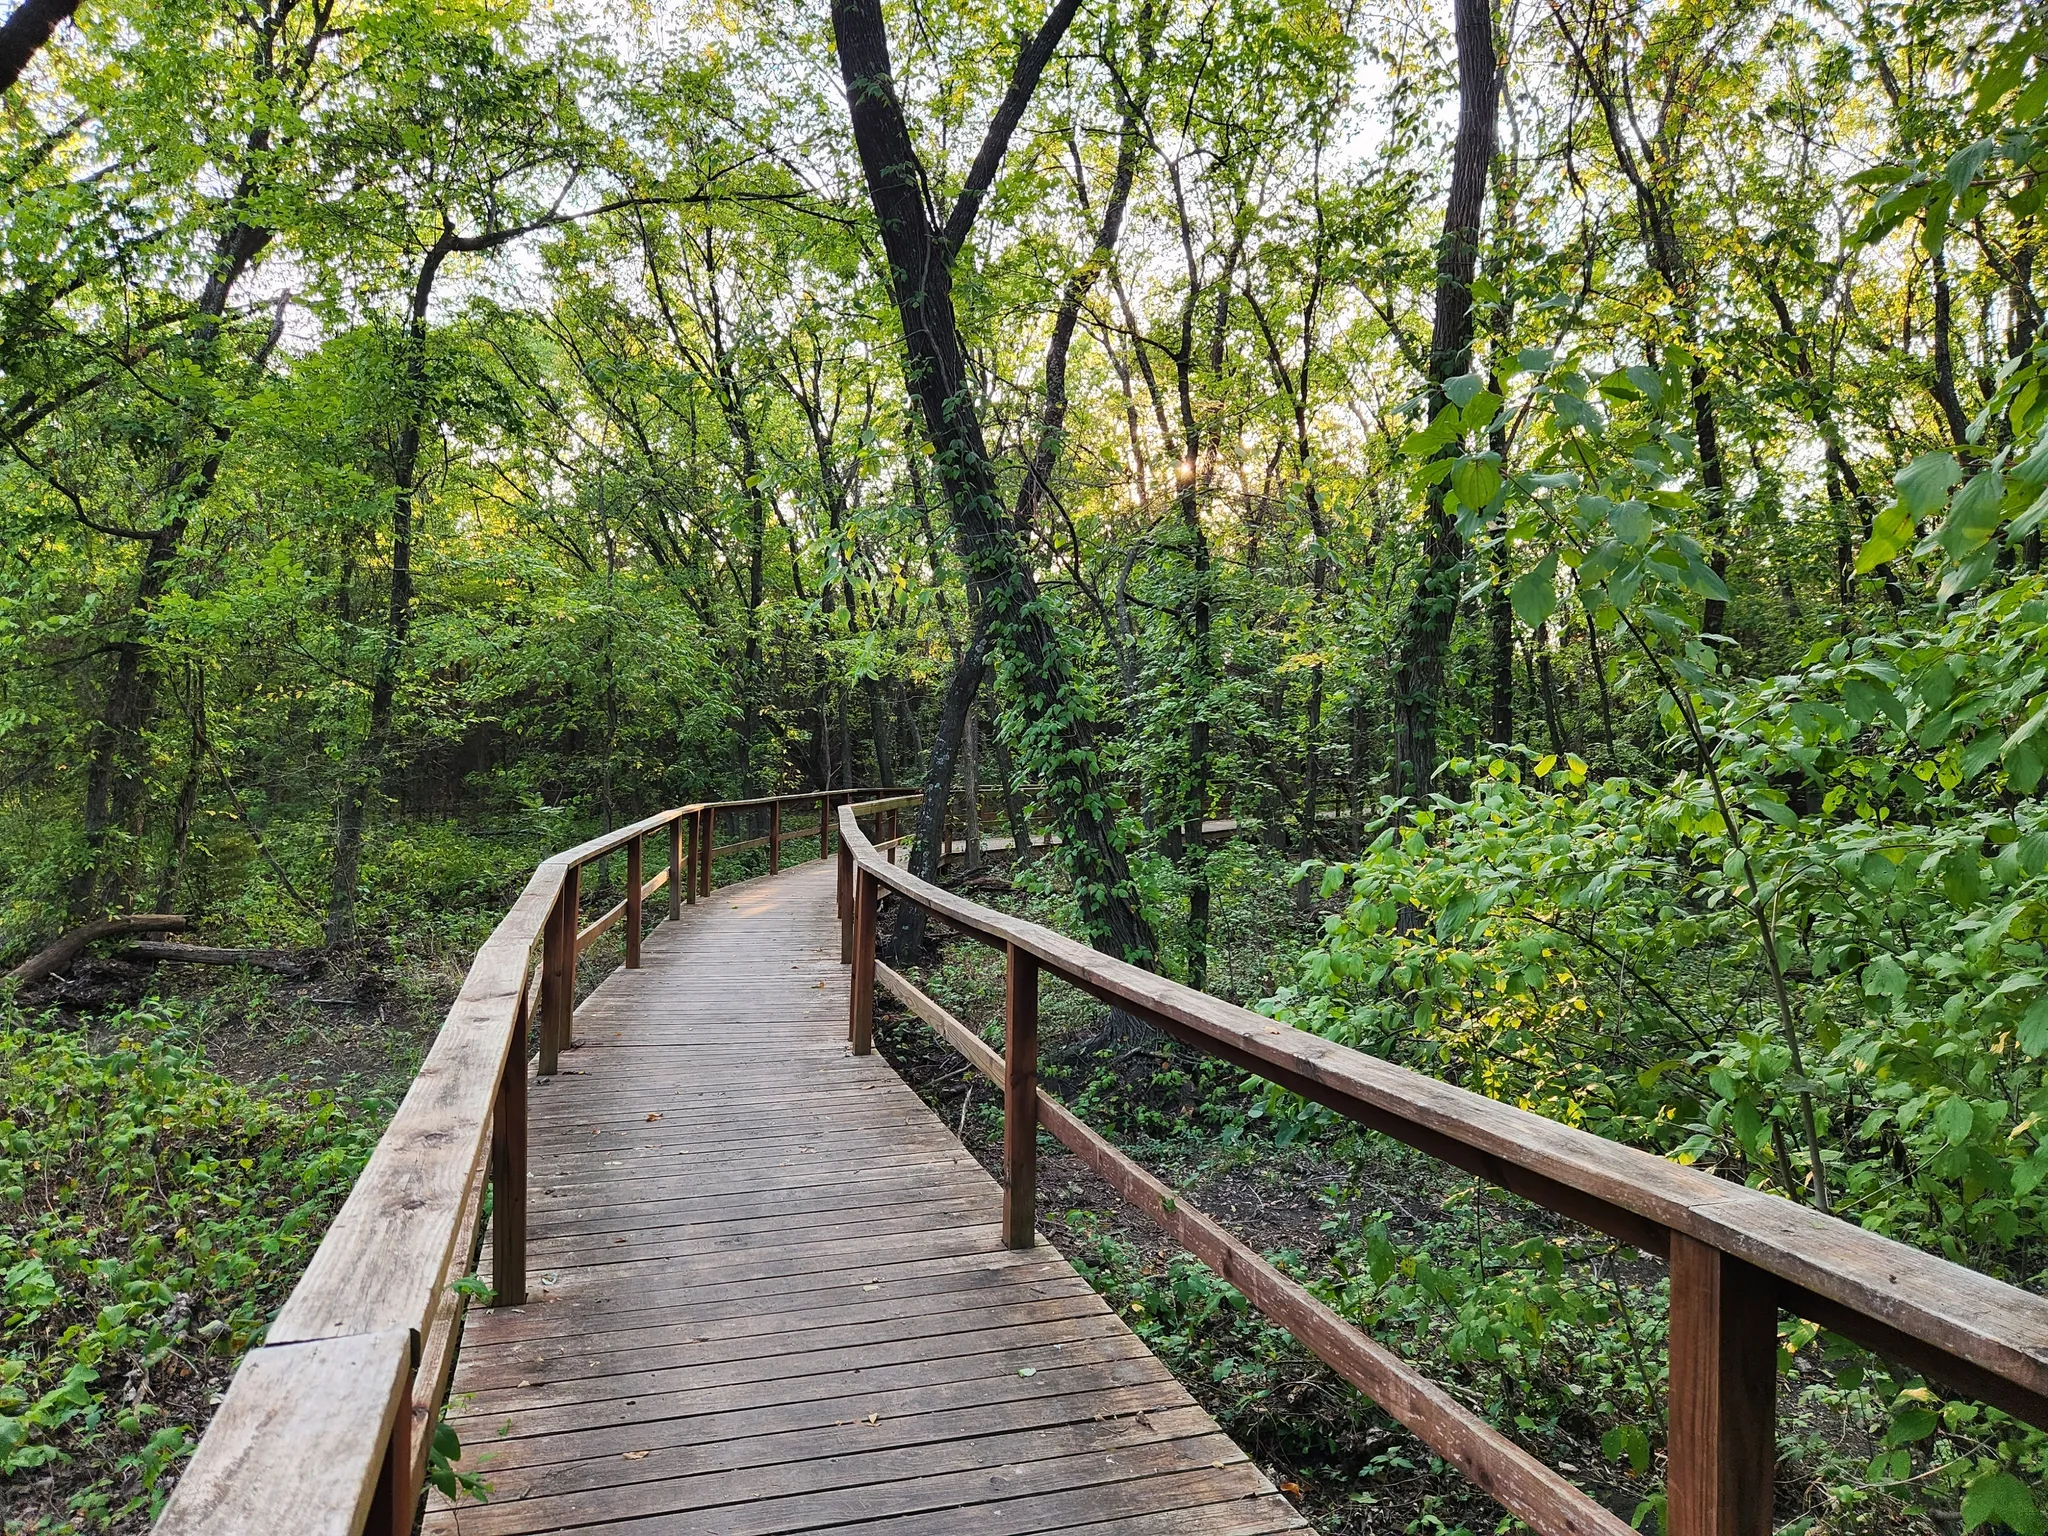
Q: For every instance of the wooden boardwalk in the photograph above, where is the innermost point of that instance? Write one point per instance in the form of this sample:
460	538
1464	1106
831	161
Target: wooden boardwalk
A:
769	1292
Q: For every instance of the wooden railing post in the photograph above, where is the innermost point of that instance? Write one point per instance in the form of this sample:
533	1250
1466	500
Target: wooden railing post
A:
635	861
774	837
392	1500
845	903
704	836
690	856
572	921
893	834
508	1170
825	824
1020	1097
675	868
866	898
1723	1394
552	972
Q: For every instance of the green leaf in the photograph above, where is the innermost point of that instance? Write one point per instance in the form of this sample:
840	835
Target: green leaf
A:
1475	478
1924	484
1619	386
1955	1120
1910	1424
1975	514
1965	163
2033	1030
1631	522
1420	445
1890	533
2004	1498
1479	411
1534	594
1884	977
1462	390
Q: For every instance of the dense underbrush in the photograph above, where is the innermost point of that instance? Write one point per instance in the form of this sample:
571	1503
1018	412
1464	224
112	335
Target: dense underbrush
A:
153	1214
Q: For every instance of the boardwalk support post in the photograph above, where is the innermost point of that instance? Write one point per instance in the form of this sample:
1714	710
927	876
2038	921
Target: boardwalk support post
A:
775	837
861	1028
1724	1383
508	1170
1020	1096
705	834
635	866
675	868
824	824
892	837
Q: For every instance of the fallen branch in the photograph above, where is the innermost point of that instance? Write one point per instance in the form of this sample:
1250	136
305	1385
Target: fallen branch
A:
282	961
70	945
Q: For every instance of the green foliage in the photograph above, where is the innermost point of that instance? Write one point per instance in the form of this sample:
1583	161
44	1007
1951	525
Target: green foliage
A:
155	1214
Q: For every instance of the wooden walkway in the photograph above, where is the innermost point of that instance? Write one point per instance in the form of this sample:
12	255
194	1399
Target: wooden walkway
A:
769	1292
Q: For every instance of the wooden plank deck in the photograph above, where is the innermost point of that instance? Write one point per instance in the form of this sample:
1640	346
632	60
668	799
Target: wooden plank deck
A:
769	1293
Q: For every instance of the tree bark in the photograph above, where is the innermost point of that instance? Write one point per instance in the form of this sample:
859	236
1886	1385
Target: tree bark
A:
32	24
1425	638
70	945
1056	728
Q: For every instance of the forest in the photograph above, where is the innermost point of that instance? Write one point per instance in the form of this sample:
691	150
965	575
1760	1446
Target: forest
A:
1566	480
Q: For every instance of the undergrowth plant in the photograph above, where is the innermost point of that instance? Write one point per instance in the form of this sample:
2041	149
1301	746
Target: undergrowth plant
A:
153	1214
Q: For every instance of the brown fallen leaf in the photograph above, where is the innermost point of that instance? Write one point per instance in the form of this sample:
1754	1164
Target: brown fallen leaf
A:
652	1118
873	1417
633	1456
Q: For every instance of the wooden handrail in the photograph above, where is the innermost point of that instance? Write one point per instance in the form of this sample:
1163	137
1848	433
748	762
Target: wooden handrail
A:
1737	1256
325	1425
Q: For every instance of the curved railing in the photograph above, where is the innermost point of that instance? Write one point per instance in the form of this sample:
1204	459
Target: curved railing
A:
1736	1256
326	1426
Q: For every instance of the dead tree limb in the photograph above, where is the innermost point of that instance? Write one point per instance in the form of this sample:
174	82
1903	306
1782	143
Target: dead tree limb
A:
70	945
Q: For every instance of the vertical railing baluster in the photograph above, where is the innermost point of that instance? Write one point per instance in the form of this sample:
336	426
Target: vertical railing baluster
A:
825	824
1723	1394
704	836
866	898
1020	1097
508	1169
775	837
635	863
675	868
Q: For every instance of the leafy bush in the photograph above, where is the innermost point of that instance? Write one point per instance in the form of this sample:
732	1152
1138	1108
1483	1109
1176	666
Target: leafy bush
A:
154	1216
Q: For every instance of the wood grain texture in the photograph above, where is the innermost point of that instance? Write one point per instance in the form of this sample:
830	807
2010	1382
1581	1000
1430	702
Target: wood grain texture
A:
298	1442
766	1301
1993	1336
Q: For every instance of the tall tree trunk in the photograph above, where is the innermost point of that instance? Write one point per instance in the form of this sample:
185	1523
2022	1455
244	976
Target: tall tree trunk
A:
371	763
1038	677
880	726
1425	638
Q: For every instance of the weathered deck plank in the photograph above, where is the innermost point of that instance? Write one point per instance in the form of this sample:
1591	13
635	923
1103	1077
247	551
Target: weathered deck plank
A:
770	1292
